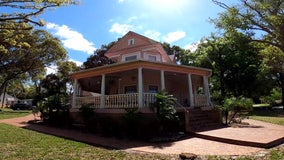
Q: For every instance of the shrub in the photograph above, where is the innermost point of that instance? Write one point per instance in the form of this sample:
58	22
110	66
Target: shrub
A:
165	109
131	120
236	105
275	95
88	114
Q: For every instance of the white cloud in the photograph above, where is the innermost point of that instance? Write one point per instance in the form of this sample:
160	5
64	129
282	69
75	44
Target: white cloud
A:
51	69
78	63
121	29
153	34
71	39
121	1
192	47
174	36
130	19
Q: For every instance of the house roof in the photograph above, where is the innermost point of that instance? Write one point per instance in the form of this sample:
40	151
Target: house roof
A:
142	43
130	65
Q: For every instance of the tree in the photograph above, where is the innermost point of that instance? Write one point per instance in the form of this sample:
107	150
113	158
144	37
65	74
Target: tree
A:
182	55
26	52
234	61
273	58
254	16
263	20
65	68
236	105
55	90
99	58
165	109
26	12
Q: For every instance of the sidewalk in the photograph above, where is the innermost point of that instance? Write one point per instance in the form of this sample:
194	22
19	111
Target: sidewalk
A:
225	141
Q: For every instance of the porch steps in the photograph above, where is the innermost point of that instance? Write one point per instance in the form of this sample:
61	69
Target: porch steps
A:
199	120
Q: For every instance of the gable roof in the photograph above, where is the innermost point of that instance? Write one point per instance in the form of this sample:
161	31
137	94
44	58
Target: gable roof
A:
140	42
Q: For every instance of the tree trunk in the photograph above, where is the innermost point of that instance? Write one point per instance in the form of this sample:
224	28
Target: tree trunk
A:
2	87
282	88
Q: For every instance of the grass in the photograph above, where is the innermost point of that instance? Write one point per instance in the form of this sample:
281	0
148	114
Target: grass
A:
8	113
271	116
18	143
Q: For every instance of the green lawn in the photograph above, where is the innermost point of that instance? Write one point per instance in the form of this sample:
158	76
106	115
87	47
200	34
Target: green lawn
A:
271	116
18	143
8	113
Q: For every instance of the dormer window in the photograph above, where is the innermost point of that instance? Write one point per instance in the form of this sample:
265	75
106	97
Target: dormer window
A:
130	58
152	58
131	42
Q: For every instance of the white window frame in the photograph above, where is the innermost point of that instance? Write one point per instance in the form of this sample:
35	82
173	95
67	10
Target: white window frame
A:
131	41
158	57
137	54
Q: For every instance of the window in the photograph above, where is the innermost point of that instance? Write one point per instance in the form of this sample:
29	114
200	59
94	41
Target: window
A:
130	58
131	42
130	89
152	58
153	89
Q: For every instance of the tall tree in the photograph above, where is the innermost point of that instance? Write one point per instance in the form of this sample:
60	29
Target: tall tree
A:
65	68
26	11
234	61
99	58
255	17
181	55
262	19
27	52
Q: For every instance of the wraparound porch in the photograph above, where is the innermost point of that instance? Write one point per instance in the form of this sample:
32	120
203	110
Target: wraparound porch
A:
135	83
122	101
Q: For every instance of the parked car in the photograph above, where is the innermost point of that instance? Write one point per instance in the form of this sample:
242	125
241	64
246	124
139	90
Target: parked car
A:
22	105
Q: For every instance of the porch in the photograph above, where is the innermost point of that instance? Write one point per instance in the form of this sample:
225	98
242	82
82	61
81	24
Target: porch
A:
123	101
135	83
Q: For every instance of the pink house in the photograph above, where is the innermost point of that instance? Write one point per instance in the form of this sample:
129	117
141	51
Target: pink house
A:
143	68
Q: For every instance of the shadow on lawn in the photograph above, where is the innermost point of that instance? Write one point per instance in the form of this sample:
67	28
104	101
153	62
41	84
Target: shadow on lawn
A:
269	113
96	139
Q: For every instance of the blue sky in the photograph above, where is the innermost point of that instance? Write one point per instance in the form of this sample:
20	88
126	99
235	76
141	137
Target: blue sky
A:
83	28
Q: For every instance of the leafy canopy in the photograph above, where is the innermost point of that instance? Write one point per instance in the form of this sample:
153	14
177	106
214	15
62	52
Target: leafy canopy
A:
26	11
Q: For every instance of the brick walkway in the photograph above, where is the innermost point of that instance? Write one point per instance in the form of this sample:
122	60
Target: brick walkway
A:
215	142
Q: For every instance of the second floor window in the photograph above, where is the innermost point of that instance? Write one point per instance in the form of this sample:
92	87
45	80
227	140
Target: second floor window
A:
152	58
130	58
131	42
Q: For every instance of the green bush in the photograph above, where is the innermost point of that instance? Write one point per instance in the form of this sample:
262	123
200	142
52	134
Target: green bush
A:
88	114
275	95
165	110
236	105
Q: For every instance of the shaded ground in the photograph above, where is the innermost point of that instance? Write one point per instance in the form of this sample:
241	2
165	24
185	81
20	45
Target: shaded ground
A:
220	141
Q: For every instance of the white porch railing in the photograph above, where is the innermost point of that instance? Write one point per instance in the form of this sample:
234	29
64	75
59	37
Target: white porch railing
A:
200	100
130	100
121	101
95	101
117	101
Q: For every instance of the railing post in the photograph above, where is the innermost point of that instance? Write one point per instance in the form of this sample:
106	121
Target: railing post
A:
140	88
206	90
163	87
190	93
74	93
103	91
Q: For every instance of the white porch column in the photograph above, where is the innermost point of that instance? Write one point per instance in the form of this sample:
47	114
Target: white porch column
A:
163	87
74	93
206	89
140	88
190	92
103	91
